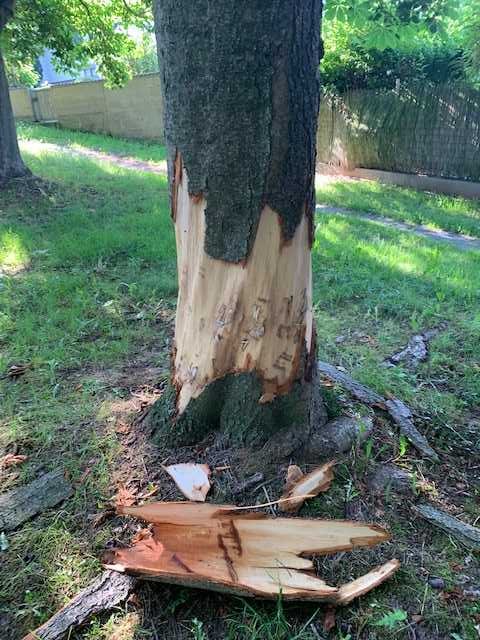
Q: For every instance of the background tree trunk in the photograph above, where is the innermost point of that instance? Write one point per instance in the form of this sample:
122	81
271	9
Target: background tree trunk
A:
241	89
11	163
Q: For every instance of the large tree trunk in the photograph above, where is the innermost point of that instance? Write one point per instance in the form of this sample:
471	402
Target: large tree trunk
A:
11	163
241	90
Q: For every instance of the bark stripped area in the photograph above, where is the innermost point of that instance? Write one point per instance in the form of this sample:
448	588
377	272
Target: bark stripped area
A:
255	316
223	548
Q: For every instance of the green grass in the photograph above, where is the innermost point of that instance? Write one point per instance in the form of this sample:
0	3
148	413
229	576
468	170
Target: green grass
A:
436	211
149	152
88	284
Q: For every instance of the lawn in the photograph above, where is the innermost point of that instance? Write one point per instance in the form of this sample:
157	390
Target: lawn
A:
87	297
435	211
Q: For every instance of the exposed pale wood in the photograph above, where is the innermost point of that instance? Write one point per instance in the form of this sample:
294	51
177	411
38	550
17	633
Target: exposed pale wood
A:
294	474
240	317
192	479
222	548
466	533
398	410
312	484
369	581
106	591
24	502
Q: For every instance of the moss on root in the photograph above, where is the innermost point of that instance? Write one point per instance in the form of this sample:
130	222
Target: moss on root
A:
231	407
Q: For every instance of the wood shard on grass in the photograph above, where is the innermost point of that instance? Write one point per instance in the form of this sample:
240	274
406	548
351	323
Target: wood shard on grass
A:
192	479
298	487
223	548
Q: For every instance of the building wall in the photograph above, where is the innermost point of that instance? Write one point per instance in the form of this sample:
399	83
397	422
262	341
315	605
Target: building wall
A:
21	104
133	111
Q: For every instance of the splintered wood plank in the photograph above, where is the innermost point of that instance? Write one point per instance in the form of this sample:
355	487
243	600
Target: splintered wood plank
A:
223	548
22	503
369	581
311	484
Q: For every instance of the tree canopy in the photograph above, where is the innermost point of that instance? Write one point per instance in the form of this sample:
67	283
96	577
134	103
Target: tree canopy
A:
77	31
365	42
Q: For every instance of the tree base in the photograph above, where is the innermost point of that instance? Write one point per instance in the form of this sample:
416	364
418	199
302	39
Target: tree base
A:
231	408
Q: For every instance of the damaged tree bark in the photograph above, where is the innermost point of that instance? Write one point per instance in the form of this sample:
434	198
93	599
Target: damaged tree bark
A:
227	549
241	89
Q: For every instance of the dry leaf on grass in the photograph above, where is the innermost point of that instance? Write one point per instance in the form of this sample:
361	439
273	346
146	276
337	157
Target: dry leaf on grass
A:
17	370
124	497
192	479
329	620
12	460
298	486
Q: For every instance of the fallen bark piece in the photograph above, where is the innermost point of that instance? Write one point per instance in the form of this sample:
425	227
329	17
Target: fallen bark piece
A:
412	355
369	581
297	487
192	479
416	350
223	548
402	416
106	591
397	410
358	390
466	533
22	503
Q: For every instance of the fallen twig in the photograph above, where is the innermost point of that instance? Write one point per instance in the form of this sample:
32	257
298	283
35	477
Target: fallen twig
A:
397	410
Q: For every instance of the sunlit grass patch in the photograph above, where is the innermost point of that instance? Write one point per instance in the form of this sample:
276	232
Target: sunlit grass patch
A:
14	256
436	211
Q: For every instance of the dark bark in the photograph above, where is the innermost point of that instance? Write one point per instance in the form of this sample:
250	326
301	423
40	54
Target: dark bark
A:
22	503
11	163
241	89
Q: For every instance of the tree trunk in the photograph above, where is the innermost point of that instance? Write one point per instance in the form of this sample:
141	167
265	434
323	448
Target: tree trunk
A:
11	163
241	91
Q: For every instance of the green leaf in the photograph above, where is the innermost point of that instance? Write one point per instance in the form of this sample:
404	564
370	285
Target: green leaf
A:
393	619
